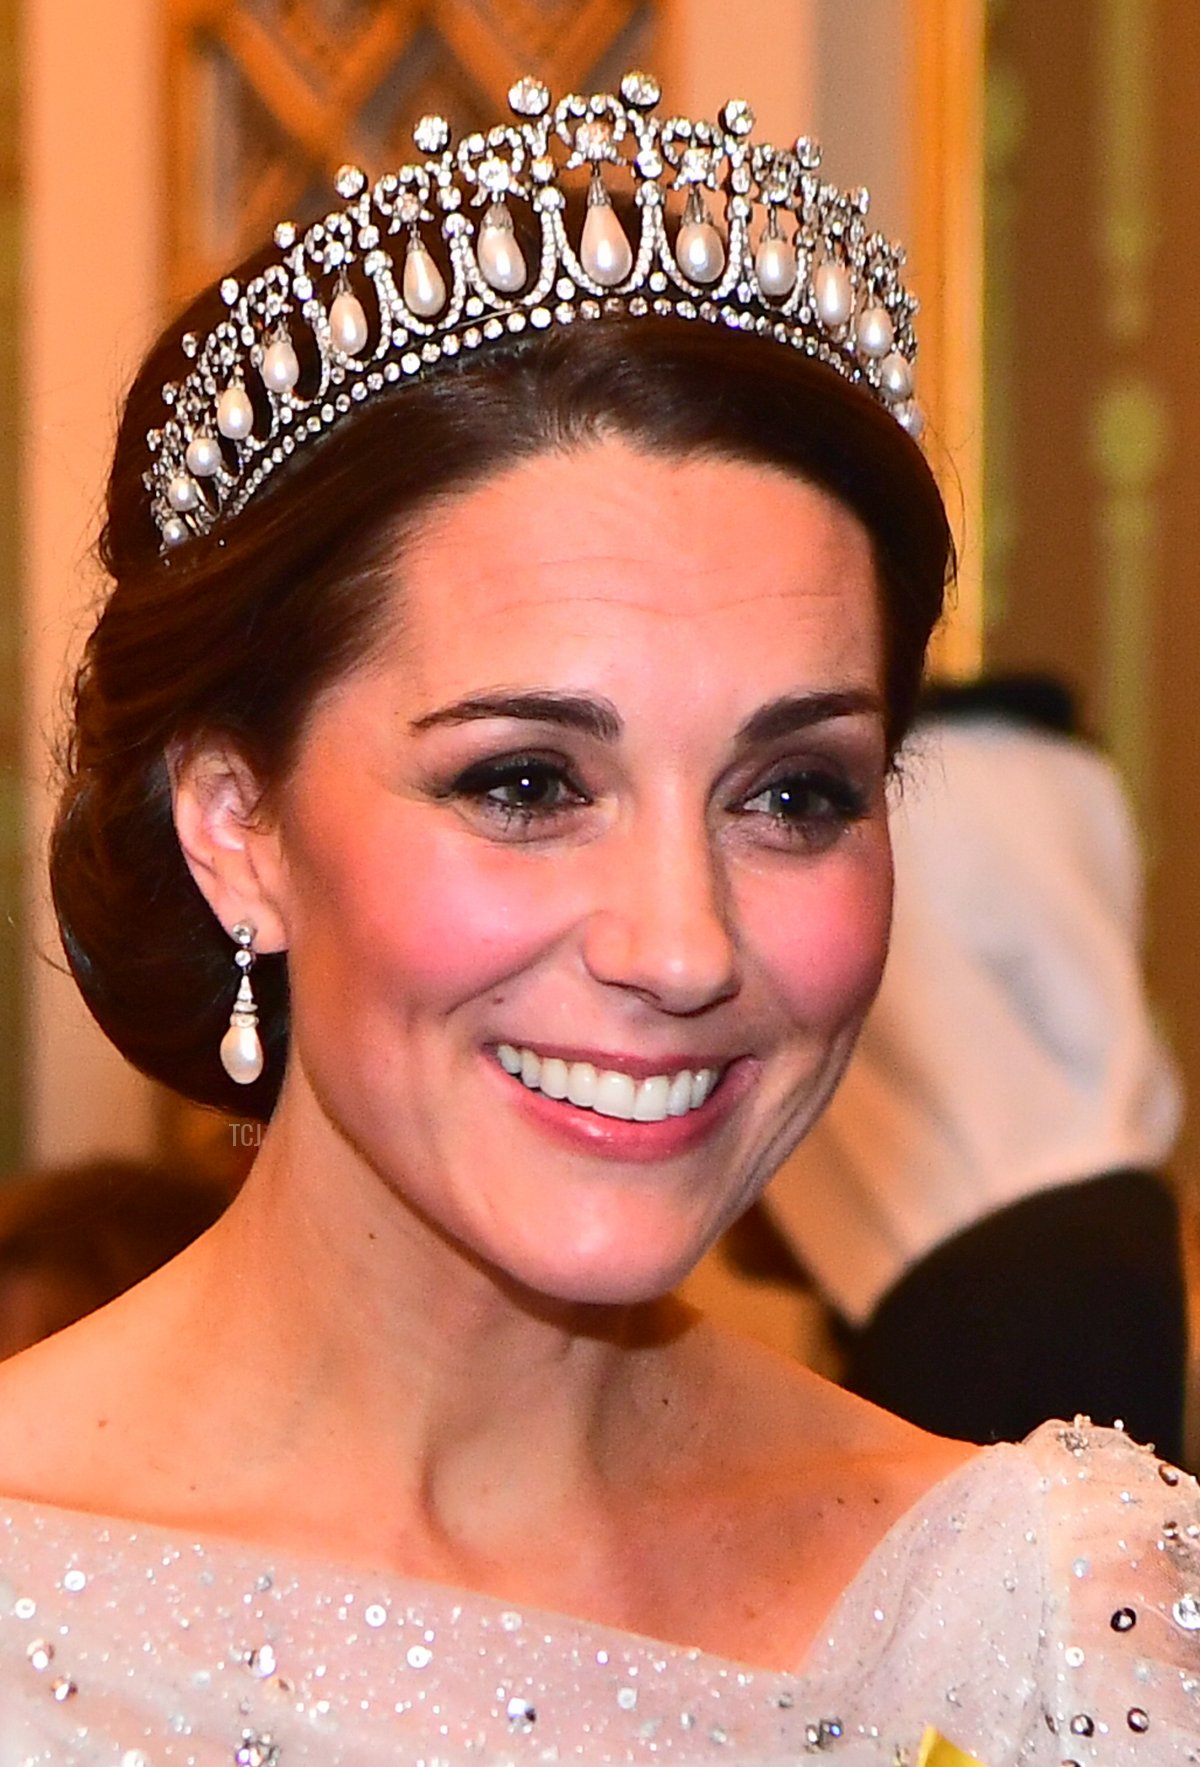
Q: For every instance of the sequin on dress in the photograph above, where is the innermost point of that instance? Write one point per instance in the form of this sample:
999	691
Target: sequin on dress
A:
1041	1606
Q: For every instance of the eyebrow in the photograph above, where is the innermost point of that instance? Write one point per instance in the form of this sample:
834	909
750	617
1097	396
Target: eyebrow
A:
593	716
597	717
792	712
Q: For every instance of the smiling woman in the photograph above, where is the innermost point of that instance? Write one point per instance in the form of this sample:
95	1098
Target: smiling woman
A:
491	723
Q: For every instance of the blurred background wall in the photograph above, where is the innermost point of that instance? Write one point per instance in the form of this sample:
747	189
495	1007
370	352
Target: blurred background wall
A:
1038	160
1092	430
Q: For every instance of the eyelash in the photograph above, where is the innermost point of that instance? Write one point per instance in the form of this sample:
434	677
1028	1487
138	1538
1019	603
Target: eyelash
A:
479	781
829	802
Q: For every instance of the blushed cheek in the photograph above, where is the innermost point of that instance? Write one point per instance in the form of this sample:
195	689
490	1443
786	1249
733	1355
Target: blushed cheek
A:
827	953
452	926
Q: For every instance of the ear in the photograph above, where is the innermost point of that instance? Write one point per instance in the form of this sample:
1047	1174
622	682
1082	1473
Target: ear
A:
231	845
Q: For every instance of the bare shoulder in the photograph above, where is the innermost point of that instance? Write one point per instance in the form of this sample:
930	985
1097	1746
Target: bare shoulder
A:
795	1485
791	1419
70	1406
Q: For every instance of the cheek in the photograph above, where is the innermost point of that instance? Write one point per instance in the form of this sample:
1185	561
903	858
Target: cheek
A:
433	920
825	953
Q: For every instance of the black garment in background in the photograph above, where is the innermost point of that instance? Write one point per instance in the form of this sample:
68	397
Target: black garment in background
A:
1071	1300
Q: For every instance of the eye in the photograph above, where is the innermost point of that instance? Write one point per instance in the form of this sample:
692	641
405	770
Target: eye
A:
810	807
520	789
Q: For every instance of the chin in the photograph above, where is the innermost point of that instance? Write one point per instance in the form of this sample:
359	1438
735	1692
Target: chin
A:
610	1289
615	1275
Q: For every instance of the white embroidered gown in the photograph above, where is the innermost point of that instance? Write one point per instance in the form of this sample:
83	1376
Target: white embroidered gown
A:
1041	1606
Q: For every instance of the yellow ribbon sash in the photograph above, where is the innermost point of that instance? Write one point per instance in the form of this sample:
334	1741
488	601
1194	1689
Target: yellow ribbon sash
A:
935	1751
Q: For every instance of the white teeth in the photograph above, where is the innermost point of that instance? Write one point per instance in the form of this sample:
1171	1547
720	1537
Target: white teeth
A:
679	1099
650	1105
581	1084
614	1095
608	1092
555	1077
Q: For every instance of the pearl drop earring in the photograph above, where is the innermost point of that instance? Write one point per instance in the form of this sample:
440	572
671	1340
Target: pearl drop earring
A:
241	1047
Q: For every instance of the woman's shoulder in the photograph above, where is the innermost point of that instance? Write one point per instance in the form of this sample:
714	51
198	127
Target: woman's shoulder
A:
1120	1537
1113	1507
80	1411
1063	1571
793	1436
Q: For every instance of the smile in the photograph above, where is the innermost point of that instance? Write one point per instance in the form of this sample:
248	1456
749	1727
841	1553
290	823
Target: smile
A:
607	1091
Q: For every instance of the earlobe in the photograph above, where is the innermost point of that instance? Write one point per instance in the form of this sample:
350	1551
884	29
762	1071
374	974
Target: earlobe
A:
231	848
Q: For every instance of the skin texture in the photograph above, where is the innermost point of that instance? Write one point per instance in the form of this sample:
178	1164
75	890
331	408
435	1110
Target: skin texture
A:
482	1365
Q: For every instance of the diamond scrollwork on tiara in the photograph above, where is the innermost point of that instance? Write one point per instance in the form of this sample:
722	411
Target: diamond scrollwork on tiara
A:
427	263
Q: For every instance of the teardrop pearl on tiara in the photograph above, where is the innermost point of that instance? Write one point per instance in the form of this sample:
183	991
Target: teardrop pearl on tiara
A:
241	1047
203	456
280	365
500	257
424	286
876	332
834	293
895	376
348	322
604	250
699	251
235	413
182	492
775	263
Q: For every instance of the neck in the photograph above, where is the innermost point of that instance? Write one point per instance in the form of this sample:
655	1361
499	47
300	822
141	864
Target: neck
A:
404	1379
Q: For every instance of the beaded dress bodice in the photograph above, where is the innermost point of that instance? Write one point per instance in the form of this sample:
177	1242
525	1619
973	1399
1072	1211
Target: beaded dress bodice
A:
1040	1606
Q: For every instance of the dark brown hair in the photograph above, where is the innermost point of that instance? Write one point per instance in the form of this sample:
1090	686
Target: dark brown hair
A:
236	633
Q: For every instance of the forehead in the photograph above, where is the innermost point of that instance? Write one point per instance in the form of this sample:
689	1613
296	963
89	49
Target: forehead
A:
703	562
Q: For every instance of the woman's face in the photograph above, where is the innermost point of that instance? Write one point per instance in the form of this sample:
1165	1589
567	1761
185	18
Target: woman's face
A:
585	880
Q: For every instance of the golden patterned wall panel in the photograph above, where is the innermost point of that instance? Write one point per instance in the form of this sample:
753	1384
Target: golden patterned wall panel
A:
268	97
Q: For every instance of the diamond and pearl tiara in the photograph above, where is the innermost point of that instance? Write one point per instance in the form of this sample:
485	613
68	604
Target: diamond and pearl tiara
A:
809	275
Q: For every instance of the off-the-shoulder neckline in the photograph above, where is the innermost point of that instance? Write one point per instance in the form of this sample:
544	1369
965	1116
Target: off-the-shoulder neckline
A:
283	1564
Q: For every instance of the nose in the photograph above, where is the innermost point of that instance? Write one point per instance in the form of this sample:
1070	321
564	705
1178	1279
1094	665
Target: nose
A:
662	925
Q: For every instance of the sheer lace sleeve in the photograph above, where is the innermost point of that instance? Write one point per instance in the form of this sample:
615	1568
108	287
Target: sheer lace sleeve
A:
1121	1534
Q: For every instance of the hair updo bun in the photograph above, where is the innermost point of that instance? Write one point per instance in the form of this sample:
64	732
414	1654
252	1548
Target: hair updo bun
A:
236	633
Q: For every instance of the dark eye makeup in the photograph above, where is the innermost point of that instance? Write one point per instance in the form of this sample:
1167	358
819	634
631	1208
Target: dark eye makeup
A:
520	789
801	806
808	806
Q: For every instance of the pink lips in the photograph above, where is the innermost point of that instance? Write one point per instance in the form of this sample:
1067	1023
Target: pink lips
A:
615	1138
